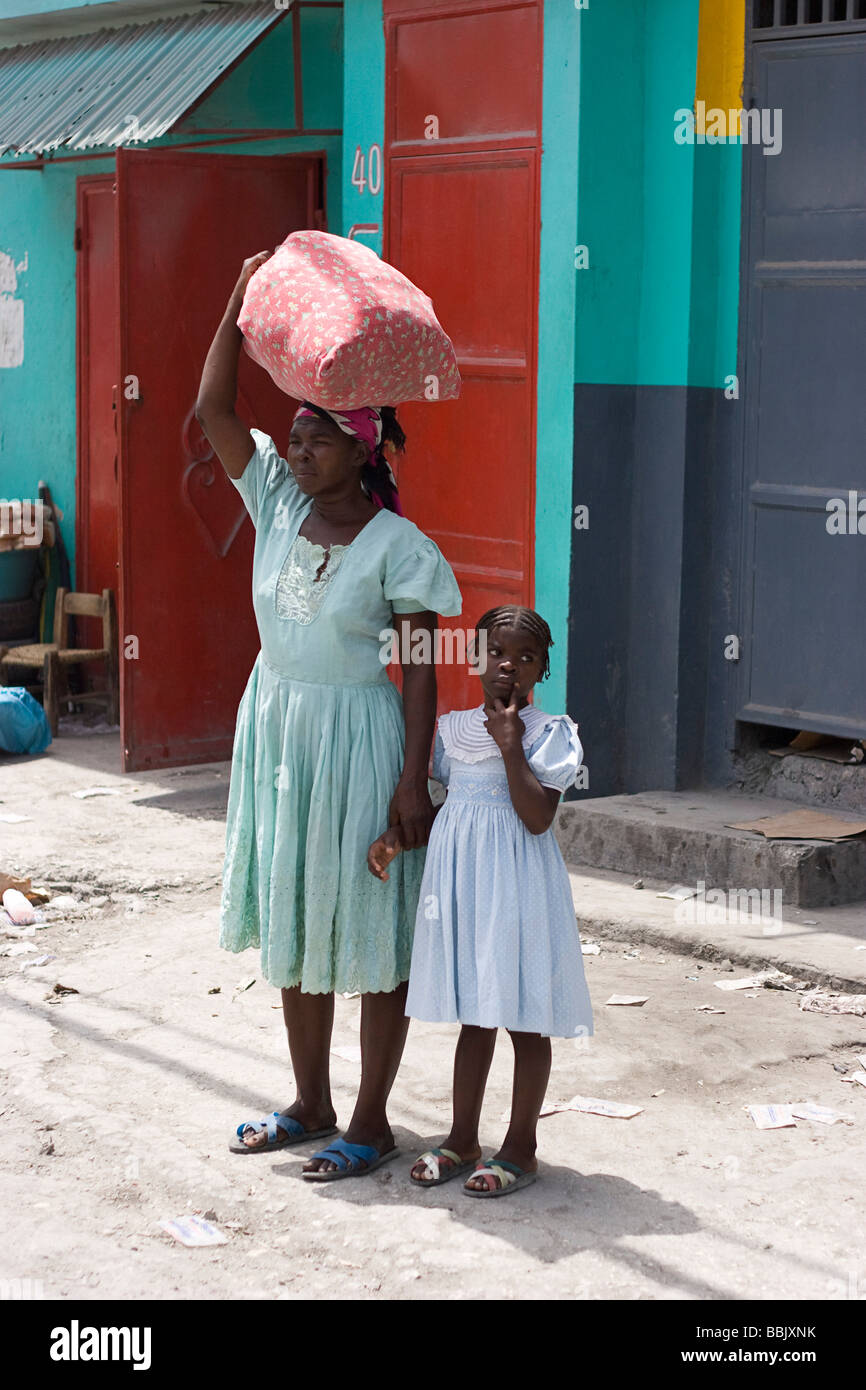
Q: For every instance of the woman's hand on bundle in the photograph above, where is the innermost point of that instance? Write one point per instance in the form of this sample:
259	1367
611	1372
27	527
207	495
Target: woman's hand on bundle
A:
382	851
215	411
504	725
250	266
411	813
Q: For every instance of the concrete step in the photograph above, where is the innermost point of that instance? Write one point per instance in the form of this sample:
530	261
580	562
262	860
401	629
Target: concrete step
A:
683	837
807	781
825	947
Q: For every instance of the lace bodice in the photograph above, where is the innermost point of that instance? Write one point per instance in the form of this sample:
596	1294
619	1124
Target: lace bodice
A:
299	594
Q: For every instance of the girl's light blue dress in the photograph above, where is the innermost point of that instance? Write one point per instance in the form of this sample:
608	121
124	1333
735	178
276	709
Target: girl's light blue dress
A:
318	746
496	940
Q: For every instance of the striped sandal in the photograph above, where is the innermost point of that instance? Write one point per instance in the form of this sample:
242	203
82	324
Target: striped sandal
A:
432	1160
500	1179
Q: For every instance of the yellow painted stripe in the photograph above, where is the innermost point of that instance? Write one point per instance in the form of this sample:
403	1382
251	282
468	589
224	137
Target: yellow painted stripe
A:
721	60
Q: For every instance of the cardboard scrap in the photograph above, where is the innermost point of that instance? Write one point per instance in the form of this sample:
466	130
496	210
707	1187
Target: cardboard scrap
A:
772	1116
858	1076
679	893
633	999
10	881
9	818
590	948
802	825
752	981
194	1230
707	1009
828	747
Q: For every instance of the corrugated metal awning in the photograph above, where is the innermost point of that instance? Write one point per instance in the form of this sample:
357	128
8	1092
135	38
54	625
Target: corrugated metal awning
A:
119	86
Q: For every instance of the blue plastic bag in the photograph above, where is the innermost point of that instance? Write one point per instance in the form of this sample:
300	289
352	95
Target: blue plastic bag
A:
23	725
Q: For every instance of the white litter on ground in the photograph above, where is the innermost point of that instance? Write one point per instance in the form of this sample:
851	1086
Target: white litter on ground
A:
772	1116
98	791
822	1002
194	1230
752	981
614	1109
820	1114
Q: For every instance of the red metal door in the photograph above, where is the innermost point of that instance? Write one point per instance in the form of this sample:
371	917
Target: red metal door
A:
462	220
96	557
187	631
96	560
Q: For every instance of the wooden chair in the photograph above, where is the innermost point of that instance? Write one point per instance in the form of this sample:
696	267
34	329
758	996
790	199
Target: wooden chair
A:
56	657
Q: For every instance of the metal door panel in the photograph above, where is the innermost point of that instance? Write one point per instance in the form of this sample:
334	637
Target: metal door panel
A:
804	650
96	554
185	224
465	226
475	72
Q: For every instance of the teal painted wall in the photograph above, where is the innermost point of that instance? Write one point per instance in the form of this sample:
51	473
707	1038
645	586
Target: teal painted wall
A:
37	222
23	9
561	127
670	52
363	112
658	305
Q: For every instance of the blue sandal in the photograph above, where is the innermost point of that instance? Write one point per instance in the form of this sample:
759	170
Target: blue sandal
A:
293	1133
349	1158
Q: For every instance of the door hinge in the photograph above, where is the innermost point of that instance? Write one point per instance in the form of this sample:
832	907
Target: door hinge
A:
79	240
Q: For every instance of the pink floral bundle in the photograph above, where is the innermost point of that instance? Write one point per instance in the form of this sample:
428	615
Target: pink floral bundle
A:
333	323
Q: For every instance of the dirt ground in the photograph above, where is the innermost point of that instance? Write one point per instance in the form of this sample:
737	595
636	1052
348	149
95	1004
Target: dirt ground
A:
118	1101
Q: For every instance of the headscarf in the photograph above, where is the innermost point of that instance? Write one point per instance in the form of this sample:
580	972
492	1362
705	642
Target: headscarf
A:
377	479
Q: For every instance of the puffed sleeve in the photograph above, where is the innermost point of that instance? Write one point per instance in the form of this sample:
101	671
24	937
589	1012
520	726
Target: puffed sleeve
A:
441	761
418	577
265	474
556	754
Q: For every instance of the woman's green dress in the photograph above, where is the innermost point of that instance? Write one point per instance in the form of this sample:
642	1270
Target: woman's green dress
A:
318	747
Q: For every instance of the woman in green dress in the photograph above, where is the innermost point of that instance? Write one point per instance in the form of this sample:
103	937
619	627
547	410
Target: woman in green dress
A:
326	753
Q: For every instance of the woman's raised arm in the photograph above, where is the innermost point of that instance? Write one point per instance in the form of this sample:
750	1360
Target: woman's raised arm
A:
218	390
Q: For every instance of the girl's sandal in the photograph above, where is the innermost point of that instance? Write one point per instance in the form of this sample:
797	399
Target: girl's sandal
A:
432	1161
507	1175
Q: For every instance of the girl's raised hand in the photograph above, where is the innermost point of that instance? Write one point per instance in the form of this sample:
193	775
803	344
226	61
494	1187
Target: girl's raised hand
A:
504	725
382	851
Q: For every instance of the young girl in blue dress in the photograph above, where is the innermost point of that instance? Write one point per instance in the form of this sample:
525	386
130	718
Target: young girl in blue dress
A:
496	941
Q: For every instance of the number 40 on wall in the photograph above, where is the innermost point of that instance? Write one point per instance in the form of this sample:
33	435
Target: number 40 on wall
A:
372	164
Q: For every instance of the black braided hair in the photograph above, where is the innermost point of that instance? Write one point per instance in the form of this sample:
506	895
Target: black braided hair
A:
525	619
374	473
